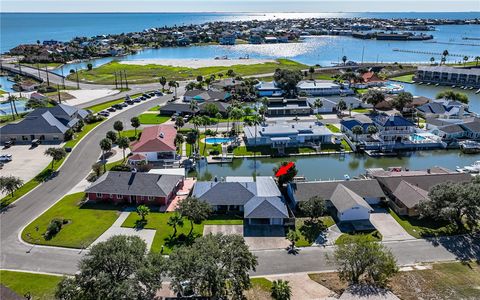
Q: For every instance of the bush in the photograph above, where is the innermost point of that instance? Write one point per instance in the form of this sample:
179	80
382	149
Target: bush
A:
54	227
92	177
68	134
122	168
93	119
214	152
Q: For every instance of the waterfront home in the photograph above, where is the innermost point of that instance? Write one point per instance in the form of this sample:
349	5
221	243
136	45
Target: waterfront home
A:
393	128
231	85
282	134
260	202
444	109
288	107
270	39
156	144
406	189
348	200
206	95
134	188
48	125
445	75
454	129
369	79
330	103
269	89
472	128
347	125
255	39
321	88
227	39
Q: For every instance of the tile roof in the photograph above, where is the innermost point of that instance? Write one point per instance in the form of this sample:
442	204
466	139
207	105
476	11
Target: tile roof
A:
156	139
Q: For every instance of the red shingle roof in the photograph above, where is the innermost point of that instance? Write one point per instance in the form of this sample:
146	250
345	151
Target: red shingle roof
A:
156	139
371	77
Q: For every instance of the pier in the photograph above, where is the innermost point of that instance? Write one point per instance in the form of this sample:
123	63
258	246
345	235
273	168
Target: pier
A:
430	53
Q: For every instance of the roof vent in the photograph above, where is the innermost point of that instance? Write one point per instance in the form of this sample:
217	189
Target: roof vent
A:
293	125
263	129
161	135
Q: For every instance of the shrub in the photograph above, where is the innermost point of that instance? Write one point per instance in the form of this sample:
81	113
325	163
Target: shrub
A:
54	227
93	119
68	135
214	152
122	168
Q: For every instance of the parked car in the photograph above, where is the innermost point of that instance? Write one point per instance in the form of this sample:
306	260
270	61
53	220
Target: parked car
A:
146	96
137	100
118	106
5	157
152	94
129	102
171	100
8	143
158	93
36	142
104	113
111	109
143	98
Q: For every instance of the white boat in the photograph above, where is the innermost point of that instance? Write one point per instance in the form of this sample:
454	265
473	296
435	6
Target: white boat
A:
474	168
470	147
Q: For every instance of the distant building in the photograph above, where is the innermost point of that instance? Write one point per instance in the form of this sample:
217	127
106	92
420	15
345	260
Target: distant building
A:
321	88
393	128
444	109
206	95
330	103
288	107
270	40
256	39
348	125
448	76
269	89
228	39
229	85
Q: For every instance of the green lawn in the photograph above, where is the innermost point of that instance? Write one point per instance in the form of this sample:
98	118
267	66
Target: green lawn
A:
130	134
39	286
79	135
249	150
361	91
333	128
105	105
373	235
420	228
86	222
151	73
153	119
308	231
405	78
262	283
362	110
163	236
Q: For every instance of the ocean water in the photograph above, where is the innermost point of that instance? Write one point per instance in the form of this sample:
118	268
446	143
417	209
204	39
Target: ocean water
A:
19	28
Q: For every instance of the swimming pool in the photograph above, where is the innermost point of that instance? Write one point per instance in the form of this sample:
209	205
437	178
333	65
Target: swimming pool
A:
417	138
215	140
5	108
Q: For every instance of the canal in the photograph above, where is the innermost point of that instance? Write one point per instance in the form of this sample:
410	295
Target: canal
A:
335	166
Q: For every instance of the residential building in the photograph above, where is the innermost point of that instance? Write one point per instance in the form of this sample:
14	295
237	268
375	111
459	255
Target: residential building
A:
38	96
444	109
260	201
134	188
46	124
321	88
393	128
176	108
454	129
229	85
282	134
156	144
406	189
206	95
330	103
269	89
369	79
288	107
256	39
448	76
227	39
347	125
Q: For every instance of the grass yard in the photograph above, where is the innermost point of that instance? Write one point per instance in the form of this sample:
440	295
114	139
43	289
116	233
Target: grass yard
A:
309	231
373	235
79	135
405	78
39	286
153	118
85	223
163	236
420	228
105	105
151	73
362	110
333	128
260	290
249	150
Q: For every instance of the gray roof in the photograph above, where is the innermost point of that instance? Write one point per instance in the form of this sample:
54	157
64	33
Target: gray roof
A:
286	129
473	126
454	128
207	95
344	199
224	193
136	184
423	181
366	188
265	207
409	194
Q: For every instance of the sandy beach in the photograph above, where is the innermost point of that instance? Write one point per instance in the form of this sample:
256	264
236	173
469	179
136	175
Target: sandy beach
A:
197	63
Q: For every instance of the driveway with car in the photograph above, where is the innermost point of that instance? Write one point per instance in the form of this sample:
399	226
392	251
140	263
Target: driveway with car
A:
388	227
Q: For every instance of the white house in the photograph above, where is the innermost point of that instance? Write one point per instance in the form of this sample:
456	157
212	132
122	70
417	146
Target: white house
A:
349	206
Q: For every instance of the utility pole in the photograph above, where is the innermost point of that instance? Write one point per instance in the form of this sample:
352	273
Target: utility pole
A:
63	79
58	93
76	73
38	70
125	75
46	72
116	82
121	80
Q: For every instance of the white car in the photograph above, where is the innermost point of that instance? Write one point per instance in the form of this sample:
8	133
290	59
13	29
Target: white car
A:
5	157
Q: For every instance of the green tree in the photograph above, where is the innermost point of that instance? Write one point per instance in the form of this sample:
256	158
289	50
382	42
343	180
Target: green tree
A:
163	81
452	95
344	59
211	109
445	54
230	73
314	207
118	126
372	129
135	122
56	154
287	80
281	290
432	60
9	184
105	145
175	220
218	116
112	135
318	103
341	106
477	59
292	237
199	78
143	211
373	97
311	70
179	140
402	100
193	106
465	59
179	122
191	139
119	268
358	257
194	210
123	143
236	114
89	67
356	130
175	85
288	177
215	266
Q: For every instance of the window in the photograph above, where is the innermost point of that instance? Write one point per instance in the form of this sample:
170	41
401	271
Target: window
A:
119	196
150	198
99	195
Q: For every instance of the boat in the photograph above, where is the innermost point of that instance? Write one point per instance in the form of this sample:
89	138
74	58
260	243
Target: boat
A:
474	168
470	147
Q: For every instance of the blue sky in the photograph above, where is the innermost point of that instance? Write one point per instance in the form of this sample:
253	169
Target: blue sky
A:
238	6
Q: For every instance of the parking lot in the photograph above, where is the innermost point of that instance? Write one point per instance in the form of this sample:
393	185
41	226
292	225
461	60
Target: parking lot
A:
26	162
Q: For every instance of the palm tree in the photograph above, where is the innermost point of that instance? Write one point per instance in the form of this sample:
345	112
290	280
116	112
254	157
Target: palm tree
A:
218	116
236	114
194	107
13	106
56	154
197	122
311	70
477	59
174	221
143	211
341	106
9	184
175	85
163	82
205	121
135	122
317	104
179	139
432	60
281	290
118	126
445	54
465	59
356	130
105	145
123	143
373	97
191	140
344	59
372	129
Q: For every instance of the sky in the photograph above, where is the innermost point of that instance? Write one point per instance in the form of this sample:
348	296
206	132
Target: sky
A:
239	6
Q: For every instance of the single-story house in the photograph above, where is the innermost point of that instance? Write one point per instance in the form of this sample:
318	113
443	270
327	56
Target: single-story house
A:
38	96
206	96
369	79
444	109
260	201
229	85
330	103
349	206
134	188
269	89
472	127
176	108
321	88
156	144
46	124
288	107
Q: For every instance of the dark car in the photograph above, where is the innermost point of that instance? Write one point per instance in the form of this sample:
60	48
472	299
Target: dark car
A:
137	100
158	93
8	143
146	96
36	142
129	102
152	94
111	109
104	113
143	98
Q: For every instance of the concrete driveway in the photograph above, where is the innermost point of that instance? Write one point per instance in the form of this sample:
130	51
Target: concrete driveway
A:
223	229
388	227
303	288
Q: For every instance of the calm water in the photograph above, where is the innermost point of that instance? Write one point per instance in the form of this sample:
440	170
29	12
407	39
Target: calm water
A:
5	84
335	166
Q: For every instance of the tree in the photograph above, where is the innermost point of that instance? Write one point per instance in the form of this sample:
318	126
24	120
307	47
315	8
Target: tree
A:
135	122
175	85
175	220
402	100
292	237
444	54
465	59
288	177
452	95
194	210
432	60
163	81
191	139
314	207
111	135
359	257
105	145
477	59
372	129
344	59
211	109
199	78
311	70
9	184
218	116
281	290
179	122
143	211
123	143
356	130
318	103
215	266
236	114
89	67
118	126
118	268
230	73
179	140
193	106
13	107
287	80
373	97
56	154
341	106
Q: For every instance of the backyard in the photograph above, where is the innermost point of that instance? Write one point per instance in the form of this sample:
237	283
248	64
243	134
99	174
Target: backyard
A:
149	118
39	286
